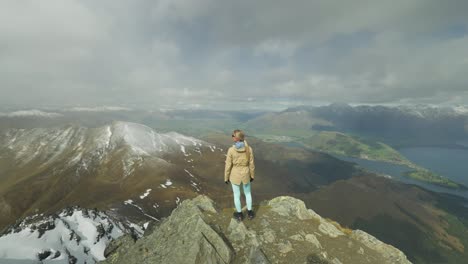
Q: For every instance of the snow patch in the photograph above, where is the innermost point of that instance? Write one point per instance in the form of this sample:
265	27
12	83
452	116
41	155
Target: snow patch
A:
145	194
82	233
182	148
212	148
191	175
194	185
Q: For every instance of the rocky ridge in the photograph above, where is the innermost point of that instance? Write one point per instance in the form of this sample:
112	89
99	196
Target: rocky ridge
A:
283	231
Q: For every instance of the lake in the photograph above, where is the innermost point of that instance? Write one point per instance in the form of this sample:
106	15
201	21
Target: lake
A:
451	163
396	172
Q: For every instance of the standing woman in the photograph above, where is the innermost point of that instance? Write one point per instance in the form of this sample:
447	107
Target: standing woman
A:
240	168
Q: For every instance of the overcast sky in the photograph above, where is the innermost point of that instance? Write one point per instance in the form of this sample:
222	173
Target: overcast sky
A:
87	52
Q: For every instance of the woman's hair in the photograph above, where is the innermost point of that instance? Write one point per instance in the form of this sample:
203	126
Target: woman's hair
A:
241	136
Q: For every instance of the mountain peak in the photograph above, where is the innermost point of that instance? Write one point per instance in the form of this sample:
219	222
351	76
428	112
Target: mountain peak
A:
144	139
283	231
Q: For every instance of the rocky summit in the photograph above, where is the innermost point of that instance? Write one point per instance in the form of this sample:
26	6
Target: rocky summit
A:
283	231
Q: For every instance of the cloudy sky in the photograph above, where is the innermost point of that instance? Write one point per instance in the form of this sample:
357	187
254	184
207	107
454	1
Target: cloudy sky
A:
86	52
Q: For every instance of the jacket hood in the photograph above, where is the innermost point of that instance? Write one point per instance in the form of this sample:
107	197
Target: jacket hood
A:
241	149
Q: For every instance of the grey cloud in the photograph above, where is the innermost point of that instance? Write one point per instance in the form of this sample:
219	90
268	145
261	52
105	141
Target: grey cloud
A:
75	52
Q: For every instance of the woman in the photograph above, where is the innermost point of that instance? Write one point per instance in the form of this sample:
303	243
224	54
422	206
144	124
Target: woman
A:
240	168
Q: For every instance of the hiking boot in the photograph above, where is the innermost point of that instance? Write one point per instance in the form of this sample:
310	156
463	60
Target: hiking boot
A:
239	216
251	214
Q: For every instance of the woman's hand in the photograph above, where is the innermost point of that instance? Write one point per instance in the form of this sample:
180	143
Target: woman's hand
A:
226	182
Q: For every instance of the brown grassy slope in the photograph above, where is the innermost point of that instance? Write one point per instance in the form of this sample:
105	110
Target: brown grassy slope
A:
405	216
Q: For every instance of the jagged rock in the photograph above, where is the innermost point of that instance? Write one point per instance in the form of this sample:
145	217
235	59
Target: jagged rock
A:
258	257
313	239
240	236
289	206
336	261
43	254
197	232
236	231
329	229
125	241
252	239
297	237
389	252
316	259
269	236
264	222
204	203
184	237
285	247
42	228
360	251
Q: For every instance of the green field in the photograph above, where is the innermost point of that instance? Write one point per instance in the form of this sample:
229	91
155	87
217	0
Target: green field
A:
428	176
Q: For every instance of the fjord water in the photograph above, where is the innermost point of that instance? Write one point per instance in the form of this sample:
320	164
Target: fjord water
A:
449	162
397	171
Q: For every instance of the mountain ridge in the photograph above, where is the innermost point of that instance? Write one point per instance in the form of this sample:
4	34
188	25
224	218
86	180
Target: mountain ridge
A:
71	235
283	231
45	167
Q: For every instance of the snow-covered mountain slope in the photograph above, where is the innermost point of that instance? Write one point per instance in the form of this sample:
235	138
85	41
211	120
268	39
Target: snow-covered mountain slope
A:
47	169
46	144
73	235
140	173
83	147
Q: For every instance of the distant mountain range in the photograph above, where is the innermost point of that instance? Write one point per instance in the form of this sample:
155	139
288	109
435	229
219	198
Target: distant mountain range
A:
402	125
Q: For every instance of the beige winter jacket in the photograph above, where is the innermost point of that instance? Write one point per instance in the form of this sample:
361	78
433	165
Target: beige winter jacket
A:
238	169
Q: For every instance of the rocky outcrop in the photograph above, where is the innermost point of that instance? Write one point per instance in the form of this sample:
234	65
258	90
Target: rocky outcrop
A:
184	237
283	231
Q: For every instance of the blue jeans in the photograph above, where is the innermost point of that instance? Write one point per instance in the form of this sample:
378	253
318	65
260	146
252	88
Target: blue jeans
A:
248	196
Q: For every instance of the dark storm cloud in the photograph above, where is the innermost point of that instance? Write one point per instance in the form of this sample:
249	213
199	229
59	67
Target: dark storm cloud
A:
77	52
